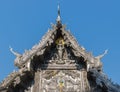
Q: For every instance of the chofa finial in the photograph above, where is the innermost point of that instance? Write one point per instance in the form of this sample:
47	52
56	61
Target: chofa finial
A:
102	55
15	53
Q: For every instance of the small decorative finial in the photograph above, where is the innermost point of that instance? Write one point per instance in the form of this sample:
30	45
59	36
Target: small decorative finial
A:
102	55
58	18
15	53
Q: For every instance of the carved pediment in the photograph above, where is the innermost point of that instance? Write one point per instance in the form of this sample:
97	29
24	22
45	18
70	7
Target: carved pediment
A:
60	55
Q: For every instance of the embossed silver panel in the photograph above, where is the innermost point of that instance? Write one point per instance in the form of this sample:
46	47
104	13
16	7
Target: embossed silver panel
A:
63	81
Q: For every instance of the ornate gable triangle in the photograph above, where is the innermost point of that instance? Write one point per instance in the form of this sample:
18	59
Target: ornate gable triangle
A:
57	36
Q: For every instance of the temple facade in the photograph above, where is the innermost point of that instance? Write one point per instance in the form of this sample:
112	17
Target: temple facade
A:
58	64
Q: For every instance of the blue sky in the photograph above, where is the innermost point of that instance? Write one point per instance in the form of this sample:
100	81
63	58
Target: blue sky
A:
94	23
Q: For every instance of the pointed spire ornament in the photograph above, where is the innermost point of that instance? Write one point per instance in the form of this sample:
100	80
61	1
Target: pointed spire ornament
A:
58	18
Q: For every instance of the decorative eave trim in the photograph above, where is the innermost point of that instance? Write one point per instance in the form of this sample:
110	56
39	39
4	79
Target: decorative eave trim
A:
12	78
